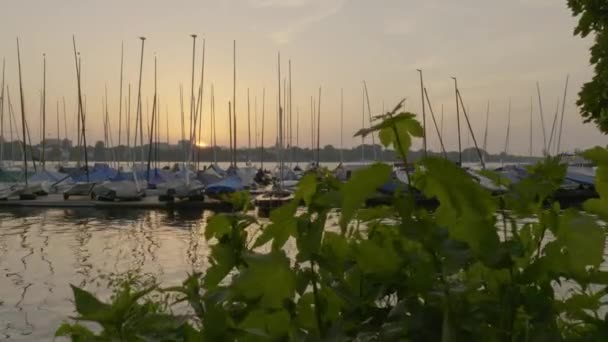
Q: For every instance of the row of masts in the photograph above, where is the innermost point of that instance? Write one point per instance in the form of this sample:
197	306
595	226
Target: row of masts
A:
285	117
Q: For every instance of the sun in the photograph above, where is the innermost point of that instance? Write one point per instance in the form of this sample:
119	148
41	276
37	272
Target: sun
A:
202	144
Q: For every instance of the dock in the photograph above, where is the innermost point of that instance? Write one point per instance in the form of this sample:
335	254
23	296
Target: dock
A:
152	202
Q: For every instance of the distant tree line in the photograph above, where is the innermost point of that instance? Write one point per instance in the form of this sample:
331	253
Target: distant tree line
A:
176	153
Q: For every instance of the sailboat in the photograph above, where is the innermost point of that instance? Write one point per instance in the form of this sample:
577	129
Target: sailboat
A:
185	186
279	195
84	182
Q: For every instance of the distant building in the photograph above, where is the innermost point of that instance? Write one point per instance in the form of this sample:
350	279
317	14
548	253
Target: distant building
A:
52	142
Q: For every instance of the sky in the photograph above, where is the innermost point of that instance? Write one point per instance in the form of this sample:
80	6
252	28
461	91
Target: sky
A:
497	49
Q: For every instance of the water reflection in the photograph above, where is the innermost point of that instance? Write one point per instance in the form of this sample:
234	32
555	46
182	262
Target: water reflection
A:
42	251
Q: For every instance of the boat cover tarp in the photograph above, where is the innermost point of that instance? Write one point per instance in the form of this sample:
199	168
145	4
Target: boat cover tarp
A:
226	185
209	176
513	173
44	175
580	178
99	173
218	169
9	176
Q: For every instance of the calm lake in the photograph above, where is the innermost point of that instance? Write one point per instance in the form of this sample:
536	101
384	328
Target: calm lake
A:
43	251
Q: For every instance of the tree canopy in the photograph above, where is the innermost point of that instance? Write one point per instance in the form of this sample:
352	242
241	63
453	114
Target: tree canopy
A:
593	97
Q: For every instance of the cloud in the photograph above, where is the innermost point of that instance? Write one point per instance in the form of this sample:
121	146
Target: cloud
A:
322	10
279	3
399	27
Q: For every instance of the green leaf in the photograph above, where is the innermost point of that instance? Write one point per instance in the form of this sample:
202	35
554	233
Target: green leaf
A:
335	246
542	181
282	227
90	308
222	260
268	280
466	209
77	333
597	206
406	127
584	242
374	258
274	323
362	184
496	177
218	226
307	186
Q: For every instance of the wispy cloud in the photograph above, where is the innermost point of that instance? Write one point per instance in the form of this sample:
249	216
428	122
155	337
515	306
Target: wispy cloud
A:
322	9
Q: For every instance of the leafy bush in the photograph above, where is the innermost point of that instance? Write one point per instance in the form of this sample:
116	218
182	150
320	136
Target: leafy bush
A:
514	267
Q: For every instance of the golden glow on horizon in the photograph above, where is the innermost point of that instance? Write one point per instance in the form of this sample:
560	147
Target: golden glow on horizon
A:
202	144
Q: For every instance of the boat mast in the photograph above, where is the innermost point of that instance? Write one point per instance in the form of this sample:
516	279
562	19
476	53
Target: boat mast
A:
422	92
128	105
198	117
506	150
248	128
561	124
234	97
139	114
531	110
212	121
341	125
485	134
43	110
363	126
458	121
58	133
553	127
11	122
369	113
297	131
65	128
280	147
255	120
151	136
542	119
22	113
262	137
120	100
230	130
445	155
81	114
192	126
291	149
319	129
2	114
466	117
181	105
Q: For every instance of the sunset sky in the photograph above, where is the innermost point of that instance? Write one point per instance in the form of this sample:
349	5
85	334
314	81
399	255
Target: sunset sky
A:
497	49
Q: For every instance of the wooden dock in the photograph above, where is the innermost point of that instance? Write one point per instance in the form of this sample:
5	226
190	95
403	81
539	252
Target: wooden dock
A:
57	201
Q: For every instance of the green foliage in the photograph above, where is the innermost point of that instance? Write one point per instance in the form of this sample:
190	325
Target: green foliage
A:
593	99
477	268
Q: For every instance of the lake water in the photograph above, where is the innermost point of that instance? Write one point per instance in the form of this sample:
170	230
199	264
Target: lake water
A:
43	251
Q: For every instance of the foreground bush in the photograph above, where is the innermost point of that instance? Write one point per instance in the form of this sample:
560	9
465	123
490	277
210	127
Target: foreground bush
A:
514	267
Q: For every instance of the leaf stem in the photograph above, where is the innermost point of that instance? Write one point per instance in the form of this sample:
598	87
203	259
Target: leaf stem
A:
315	293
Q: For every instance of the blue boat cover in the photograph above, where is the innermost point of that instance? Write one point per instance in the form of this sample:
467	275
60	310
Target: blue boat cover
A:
46	175
513	173
99	173
225	186
580	178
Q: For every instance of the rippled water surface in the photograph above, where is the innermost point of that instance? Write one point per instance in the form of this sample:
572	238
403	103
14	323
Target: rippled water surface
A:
43	251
